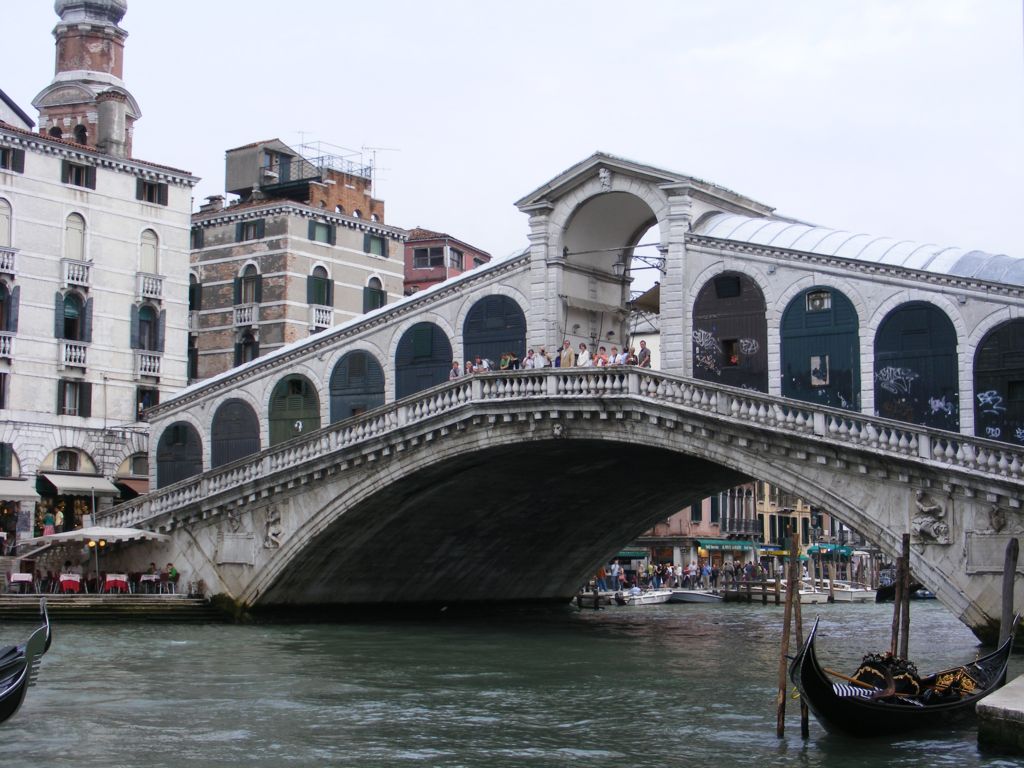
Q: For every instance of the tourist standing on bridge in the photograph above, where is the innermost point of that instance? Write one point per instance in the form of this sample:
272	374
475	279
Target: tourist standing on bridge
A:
645	355
631	358
566	358
454	373
583	357
541	360
529	360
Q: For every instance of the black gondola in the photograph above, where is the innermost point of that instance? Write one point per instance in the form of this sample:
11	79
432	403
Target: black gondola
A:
859	710
19	665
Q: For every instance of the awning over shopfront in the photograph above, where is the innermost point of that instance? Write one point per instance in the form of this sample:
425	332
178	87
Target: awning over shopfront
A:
633	554
593	306
18	490
726	544
136	484
830	549
81	485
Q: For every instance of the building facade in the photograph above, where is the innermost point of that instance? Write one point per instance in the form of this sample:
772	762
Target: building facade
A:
433	257
304	247
93	292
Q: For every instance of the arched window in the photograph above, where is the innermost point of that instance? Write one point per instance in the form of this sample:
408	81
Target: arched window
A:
339	209
73	317
318	288
81	134
195	294
235	432
247	349
56	132
179	454
148	253
374	295
357	213
374	217
249	286
294	408
5	308
74	237
5	223
148	329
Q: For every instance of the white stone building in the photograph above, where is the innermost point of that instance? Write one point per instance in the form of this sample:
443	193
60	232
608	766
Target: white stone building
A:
94	248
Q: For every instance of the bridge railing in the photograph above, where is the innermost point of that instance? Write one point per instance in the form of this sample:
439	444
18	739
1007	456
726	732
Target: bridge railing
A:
586	384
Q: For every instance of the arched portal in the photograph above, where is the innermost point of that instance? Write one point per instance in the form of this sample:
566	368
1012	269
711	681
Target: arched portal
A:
422	360
821	349
179	454
730	332
494	325
999	383
235	432
916	370
294	408
357	385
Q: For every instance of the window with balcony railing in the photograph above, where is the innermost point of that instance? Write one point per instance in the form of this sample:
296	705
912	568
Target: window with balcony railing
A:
147	363
73	354
76	273
246	315
149	286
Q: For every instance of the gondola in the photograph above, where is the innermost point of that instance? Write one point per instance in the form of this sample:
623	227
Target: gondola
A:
19	665
855	708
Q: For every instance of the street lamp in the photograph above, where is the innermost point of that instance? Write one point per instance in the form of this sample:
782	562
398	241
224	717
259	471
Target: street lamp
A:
96	545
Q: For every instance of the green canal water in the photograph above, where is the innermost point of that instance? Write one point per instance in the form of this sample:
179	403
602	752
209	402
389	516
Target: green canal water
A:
671	685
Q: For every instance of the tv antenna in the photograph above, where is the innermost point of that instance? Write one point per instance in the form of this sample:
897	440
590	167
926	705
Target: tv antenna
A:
373	162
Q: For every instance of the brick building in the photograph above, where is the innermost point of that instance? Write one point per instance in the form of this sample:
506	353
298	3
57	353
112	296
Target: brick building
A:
433	257
304	247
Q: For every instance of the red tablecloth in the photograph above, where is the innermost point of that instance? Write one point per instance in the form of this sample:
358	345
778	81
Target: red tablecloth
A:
116	581
70	585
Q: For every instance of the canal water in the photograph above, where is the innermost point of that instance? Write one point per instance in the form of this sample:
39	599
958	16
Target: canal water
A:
670	685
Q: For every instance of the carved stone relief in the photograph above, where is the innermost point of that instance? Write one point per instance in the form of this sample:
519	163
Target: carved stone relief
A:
928	520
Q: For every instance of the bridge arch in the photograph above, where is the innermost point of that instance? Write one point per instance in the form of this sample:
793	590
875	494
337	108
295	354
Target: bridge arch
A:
234	432
423	358
916	376
820	348
494	325
294	408
357	384
179	453
730	331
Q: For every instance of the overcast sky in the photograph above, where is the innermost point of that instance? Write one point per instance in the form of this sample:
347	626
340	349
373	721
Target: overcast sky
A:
902	119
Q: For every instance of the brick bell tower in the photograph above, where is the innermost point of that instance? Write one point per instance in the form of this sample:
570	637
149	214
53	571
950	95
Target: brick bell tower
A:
87	101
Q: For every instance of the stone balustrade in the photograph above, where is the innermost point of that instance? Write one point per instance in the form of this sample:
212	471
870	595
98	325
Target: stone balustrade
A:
585	388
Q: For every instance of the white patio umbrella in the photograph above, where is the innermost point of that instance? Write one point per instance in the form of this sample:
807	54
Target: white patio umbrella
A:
96	537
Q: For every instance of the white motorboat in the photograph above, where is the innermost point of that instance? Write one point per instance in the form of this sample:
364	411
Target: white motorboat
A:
694	596
646	597
844	591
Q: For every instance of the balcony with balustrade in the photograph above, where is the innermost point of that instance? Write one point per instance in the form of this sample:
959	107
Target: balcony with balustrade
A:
320	317
8	260
148	286
73	354
6	345
76	274
147	364
246	315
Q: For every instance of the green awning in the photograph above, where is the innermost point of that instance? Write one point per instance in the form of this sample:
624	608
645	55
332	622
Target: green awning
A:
830	549
726	544
633	554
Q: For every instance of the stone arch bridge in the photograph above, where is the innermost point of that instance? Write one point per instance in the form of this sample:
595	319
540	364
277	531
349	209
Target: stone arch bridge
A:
513	485
877	378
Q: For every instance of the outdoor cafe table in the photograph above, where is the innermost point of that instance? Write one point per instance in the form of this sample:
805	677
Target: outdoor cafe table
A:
116	581
152	579
70	582
22	578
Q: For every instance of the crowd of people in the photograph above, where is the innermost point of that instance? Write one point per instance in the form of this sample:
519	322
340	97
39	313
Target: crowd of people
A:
706	575
565	357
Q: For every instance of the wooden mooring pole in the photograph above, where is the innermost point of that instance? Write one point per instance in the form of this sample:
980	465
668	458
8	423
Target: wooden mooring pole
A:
1009	575
792	621
905	607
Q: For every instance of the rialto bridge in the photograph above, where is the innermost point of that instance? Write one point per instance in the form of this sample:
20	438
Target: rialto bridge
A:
878	379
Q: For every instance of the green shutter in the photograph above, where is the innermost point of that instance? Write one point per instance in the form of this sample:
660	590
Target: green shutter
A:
311	230
61	384
310	289
161	330
383	246
58	316
162	194
87	322
85	399
6	464
140	189
134	331
366	242
238	290
258	293
18	160
90	177
238	237
260	229
65	171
